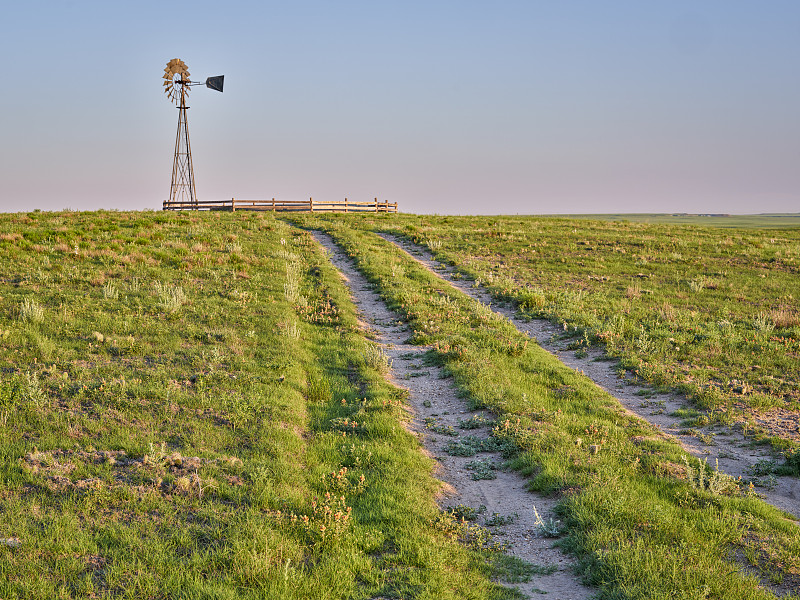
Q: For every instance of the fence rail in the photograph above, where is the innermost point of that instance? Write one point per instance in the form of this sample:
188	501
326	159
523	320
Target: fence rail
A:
309	205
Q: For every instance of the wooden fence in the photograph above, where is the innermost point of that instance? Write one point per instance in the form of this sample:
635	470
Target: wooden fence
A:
309	205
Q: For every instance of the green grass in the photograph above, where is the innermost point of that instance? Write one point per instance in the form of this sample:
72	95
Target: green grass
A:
641	523
188	409
759	221
712	313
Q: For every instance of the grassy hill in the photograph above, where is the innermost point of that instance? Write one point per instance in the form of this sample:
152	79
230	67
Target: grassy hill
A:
176	405
189	408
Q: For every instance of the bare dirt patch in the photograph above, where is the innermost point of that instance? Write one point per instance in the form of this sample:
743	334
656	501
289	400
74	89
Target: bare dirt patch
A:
476	486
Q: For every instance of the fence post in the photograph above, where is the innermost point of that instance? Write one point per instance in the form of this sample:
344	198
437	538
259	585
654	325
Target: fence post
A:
233	205
311	204
376	205
345	205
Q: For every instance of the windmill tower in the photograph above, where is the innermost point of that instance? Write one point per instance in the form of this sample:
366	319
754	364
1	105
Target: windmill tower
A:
176	85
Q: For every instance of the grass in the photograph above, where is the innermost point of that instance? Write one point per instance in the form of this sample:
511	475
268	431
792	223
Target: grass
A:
640	522
758	221
709	312
188	409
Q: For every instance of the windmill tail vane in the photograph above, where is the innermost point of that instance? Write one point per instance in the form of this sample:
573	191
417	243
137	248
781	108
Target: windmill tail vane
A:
176	86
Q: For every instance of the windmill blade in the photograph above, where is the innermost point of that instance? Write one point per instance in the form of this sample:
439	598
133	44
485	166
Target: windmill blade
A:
215	83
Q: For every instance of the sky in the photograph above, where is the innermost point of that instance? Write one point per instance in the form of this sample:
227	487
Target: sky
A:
447	107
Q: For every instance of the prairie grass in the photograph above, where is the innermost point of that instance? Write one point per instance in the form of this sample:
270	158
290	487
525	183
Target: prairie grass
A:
709	312
639	526
169	421
31	311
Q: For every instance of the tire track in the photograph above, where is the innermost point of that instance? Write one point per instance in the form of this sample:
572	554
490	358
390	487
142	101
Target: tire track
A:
436	413
720	445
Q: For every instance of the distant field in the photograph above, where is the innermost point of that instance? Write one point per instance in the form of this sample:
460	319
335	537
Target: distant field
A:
761	221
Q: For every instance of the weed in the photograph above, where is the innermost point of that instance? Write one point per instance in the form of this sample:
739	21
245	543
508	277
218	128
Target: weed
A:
337	482
768	482
464	512
357	456
482	469
471	535
763	323
550	528
791	466
291	330
471	445
432	424
171	297
762	467
698	284
476	422
644	344
716	482
515	570
498	520
31	311
376	358
434	245
291	289
110	291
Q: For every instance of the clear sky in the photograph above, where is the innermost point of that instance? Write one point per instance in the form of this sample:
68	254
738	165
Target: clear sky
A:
443	106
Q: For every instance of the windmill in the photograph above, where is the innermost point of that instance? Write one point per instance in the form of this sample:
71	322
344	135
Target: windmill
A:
176	86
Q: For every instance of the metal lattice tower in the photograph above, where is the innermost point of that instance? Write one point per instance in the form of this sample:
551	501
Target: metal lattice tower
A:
182	187
176	86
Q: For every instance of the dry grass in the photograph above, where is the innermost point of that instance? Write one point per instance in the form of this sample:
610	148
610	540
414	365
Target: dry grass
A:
784	318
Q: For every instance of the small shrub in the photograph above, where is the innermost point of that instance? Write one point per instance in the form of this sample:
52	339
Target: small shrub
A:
763	322
171	297
476	422
791	466
31	311
464	512
432	424
375	357
110	291
552	528
716	482
482	469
